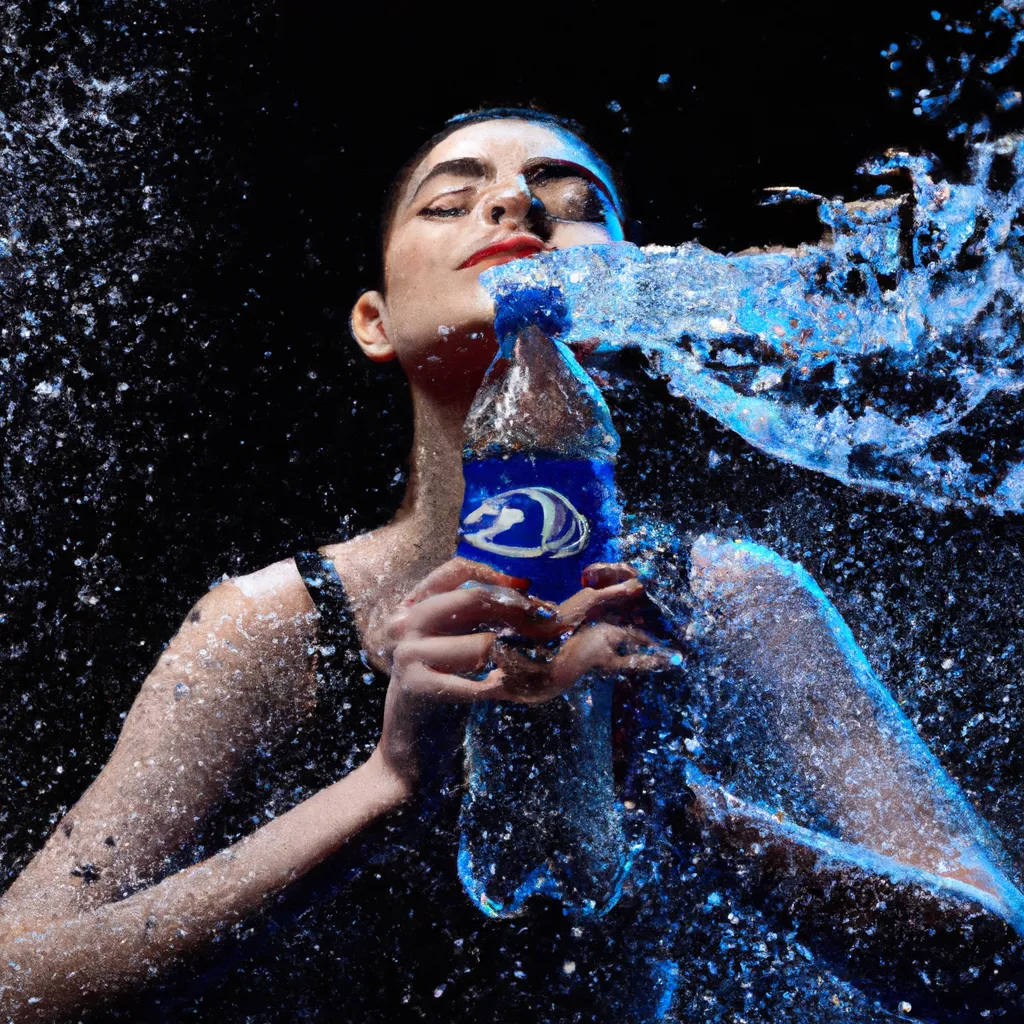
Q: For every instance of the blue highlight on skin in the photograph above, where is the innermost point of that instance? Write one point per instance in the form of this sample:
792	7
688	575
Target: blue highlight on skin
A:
986	855
924	279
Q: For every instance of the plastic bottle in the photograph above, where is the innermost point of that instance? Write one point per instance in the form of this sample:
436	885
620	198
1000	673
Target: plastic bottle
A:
540	815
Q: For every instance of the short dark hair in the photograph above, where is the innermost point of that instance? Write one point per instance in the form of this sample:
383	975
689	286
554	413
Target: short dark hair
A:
534	115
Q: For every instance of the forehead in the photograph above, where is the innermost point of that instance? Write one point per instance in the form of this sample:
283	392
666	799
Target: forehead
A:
508	144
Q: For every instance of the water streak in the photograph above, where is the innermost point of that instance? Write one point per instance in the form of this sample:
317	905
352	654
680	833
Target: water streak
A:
887	354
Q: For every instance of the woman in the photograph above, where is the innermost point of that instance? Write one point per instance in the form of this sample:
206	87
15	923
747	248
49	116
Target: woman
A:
101	909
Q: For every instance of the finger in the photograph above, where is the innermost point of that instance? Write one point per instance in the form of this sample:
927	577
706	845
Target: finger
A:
636	606
628	639
457	571
499	684
609	648
613	650
637	650
587	603
425	683
451	654
524	679
605	574
482	606
638	664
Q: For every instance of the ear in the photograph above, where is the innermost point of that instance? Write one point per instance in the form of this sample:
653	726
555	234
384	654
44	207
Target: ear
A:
370	328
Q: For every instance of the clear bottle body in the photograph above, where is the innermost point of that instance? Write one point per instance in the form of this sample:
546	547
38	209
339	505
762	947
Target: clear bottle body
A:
540	816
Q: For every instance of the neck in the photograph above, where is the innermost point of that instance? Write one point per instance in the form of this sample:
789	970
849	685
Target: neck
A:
433	497
424	532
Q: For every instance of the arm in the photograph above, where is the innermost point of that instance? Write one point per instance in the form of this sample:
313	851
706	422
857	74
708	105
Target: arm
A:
801	692
906	884
75	928
907	934
449	626
58	966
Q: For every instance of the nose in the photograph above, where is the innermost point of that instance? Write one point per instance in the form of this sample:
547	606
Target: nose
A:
508	203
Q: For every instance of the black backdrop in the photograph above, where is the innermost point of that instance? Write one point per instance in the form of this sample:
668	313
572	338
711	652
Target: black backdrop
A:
181	397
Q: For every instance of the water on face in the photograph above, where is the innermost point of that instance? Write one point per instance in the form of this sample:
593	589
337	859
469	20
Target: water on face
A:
887	356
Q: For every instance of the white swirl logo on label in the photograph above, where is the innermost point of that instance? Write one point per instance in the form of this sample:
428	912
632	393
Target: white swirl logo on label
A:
564	531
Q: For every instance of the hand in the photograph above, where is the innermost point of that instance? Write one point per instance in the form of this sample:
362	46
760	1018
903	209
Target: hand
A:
603	627
451	626
444	630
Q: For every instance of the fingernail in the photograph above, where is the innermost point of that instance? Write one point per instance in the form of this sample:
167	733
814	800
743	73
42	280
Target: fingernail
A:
542	614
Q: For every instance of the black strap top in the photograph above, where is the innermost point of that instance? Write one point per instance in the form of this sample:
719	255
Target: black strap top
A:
383	933
402	906
350	693
338	642
401	891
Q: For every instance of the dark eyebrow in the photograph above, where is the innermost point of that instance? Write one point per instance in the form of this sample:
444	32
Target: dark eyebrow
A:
464	167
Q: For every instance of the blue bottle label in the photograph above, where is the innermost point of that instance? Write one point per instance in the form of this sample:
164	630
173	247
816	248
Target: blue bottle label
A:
539	815
540	517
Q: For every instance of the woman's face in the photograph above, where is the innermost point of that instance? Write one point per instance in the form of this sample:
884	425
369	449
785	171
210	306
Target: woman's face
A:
489	193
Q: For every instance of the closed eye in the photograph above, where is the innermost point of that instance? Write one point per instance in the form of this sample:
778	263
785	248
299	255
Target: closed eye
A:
448	204
569	193
442	211
553	172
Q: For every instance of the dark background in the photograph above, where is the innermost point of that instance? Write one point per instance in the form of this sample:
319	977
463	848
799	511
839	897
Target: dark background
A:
186	252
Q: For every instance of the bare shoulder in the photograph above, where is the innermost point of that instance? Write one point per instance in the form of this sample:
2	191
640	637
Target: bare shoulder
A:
269	616
237	676
244	619
276	588
746	590
724	570
241	656
248	637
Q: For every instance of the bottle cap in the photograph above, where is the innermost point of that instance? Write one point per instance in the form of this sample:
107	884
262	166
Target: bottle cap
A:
518	308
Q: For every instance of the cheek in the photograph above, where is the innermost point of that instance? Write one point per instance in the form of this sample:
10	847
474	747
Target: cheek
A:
409	263
566	235
424	292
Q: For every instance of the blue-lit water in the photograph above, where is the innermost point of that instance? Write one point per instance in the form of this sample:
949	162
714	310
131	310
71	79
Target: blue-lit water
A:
873	356
886	355
907	385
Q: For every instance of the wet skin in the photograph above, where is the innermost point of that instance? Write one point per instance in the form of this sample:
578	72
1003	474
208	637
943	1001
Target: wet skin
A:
85	920
88	919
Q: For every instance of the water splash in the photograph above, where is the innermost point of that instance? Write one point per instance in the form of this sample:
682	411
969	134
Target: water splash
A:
966	79
886	355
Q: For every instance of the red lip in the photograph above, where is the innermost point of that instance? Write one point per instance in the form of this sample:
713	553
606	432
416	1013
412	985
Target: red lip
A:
516	246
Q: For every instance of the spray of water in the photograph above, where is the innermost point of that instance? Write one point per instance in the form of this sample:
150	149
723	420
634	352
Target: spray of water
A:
888	354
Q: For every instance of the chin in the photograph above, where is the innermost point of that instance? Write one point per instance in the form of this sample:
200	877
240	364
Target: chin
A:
469	352
473	322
